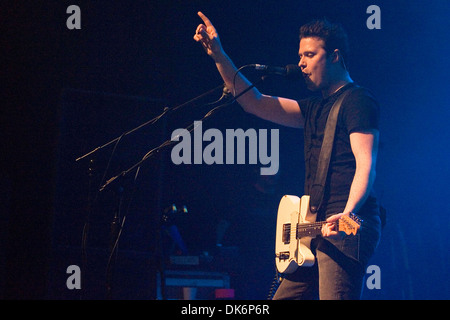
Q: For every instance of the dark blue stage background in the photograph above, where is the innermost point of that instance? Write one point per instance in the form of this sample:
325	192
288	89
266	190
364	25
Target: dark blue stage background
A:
69	91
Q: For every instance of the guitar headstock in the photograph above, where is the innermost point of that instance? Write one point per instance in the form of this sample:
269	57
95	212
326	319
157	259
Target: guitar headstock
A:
350	224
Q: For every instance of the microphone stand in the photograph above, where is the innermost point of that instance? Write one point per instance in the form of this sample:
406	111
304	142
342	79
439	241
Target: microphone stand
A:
152	121
114	234
170	142
157	150
115	227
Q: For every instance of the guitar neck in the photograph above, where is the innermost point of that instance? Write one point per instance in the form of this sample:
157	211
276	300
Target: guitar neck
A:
309	229
349	225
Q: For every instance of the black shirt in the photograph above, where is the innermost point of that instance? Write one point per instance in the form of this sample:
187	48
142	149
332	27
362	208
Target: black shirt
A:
359	112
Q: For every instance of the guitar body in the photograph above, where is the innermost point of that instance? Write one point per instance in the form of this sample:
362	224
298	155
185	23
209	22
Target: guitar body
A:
291	252
296	227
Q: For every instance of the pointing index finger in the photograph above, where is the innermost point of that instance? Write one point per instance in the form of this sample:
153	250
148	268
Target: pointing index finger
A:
205	19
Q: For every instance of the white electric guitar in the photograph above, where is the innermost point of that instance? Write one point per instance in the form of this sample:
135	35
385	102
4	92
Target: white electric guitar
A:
296	227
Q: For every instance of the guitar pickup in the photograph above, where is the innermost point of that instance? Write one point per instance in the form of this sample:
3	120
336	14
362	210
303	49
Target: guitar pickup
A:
286	238
284	255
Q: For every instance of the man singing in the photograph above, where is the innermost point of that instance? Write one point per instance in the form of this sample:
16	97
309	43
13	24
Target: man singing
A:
340	259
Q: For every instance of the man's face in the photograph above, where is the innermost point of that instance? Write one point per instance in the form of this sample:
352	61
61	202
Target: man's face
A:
314	63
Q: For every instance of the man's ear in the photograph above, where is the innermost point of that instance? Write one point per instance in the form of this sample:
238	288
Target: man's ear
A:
336	55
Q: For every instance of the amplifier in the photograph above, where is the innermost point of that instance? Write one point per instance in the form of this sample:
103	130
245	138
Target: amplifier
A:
191	285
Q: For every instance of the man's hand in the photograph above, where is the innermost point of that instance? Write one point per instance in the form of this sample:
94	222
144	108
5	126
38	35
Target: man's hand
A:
329	228
207	35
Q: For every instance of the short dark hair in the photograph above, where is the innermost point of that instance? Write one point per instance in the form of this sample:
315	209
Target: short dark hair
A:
332	34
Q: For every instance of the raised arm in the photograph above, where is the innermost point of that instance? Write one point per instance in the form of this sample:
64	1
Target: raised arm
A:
276	109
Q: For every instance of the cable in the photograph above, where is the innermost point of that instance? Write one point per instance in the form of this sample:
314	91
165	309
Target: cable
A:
225	94
234	77
277	279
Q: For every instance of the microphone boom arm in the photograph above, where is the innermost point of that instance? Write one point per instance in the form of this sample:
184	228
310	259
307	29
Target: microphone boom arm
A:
169	142
166	111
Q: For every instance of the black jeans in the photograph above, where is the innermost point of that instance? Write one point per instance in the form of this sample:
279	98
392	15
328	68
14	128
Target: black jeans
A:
339	270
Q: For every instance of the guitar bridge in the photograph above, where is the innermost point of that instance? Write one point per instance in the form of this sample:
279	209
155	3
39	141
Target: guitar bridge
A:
284	255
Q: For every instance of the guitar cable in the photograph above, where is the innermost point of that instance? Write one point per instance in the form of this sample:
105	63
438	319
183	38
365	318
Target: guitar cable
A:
277	279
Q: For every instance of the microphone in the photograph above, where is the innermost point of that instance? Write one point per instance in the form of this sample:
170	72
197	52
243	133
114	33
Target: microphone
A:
291	71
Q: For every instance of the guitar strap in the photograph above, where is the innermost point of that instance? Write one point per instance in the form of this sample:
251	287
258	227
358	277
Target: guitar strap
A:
318	186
